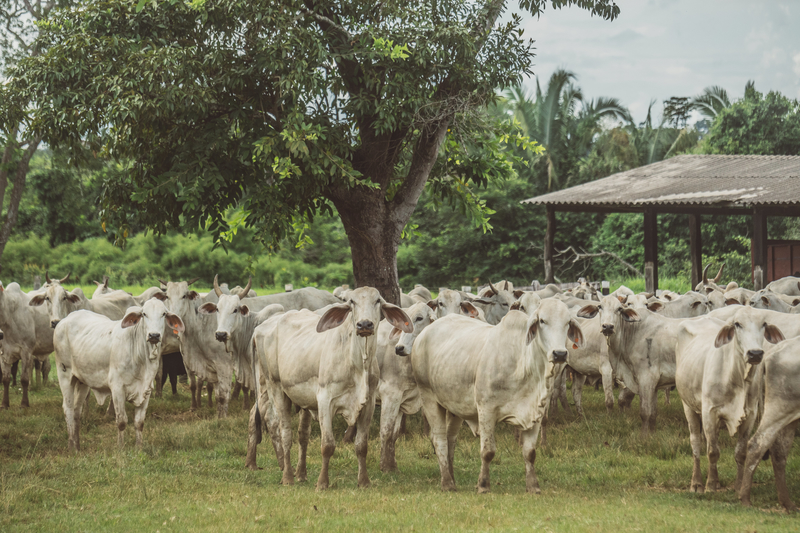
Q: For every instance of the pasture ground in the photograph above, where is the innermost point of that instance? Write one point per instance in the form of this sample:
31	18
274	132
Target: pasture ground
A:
596	473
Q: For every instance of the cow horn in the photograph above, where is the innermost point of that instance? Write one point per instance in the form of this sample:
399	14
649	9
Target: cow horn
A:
47	276
243	294
65	278
192	281
217	290
493	287
719	274
705	274
161	281
105	281
505	287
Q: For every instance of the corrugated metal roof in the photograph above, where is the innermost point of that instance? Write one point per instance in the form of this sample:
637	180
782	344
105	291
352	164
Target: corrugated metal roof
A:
692	180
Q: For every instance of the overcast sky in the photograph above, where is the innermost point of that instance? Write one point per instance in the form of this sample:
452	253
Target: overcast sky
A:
662	48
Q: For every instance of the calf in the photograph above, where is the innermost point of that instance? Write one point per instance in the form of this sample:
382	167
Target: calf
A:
486	374
689	305
117	358
718	377
61	302
326	364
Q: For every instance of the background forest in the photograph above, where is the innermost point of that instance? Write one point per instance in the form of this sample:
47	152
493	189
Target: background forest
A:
584	139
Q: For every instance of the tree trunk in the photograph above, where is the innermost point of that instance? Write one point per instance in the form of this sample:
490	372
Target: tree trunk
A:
374	235
20	174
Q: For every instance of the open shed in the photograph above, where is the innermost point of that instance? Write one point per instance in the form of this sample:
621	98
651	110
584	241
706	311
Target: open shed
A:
696	185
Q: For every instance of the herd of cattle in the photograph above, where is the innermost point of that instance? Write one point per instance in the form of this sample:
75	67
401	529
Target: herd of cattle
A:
501	355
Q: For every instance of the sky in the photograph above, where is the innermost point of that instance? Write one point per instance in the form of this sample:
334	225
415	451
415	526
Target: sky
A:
656	49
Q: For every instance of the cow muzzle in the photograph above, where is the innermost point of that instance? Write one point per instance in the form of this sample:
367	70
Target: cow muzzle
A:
365	328
221	336
559	356
607	329
153	338
54	323
755	356
399	350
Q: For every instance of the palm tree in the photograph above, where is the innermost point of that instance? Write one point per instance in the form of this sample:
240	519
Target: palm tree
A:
713	100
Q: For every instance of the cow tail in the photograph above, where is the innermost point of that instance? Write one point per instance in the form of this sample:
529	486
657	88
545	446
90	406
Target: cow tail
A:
257	387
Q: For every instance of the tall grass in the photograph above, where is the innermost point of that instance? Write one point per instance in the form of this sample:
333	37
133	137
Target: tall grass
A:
597	473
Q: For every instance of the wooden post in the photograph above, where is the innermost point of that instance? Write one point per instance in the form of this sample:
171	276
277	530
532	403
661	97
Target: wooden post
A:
695	248
650	251
549	244
759	249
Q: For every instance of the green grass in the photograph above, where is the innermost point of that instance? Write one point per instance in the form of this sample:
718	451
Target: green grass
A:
679	285
88	290
596	474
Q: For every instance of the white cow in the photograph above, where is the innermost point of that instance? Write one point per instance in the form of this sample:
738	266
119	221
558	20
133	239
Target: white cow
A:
789	285
484	374
718	377
117	358
19	339
449	302
326	364
397	389
779	420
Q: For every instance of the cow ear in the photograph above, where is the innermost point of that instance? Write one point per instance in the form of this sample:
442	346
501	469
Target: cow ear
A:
731	301
37	300
622	299
73	298
160	296
796	301
695	304
532	328
481	300
397	317
470	310
515	305
395	334
207	309
433	304
629	315
131	319
575	333
725	335
765	300
518	293
175	323
244	310
589	311
333	317
192	295
655	306
773	334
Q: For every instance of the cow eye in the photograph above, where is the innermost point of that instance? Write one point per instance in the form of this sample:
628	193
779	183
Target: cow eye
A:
377	301
47	298
165	314
541	321
441	304
737	325
352	302
144	315
236	310
521	308
599	306
418	319
505	305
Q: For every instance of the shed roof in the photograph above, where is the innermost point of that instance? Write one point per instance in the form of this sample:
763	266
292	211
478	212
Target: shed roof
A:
690	181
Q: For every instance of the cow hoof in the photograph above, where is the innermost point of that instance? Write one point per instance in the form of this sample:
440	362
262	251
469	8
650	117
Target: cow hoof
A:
364	484
696	488
483	490
535	490
746	503
448	488
287	481
322	486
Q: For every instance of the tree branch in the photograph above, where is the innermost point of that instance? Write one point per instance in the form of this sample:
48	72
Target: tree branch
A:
579	256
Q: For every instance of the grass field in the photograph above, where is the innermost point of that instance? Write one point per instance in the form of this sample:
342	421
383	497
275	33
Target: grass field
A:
597	474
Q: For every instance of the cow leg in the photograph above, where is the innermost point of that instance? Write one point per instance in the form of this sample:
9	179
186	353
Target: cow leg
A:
437	418
562	391
454	424
14	370
349	435
488	449
554	392
223	398
118	396
740	452
25	378
270	418
161	377
528	439
80	394
666	395
577	391
328	440
390	412
139	413
37	365
6	387
304	432
237	388
173	381
210	390
46	371
696	440
65	382
764	439
253	439
283	409
193	389
711	429
780	451
648	396
362	429
111	411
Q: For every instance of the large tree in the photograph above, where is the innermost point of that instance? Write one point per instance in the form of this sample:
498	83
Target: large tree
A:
283	109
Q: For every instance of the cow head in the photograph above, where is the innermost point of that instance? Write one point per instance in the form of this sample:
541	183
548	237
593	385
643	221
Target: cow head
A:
495	301
550	325
179	298
155	322
612	312
527	302
59	301
450	302
748	330
230	310
102	288
707	286
366	307
421	316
